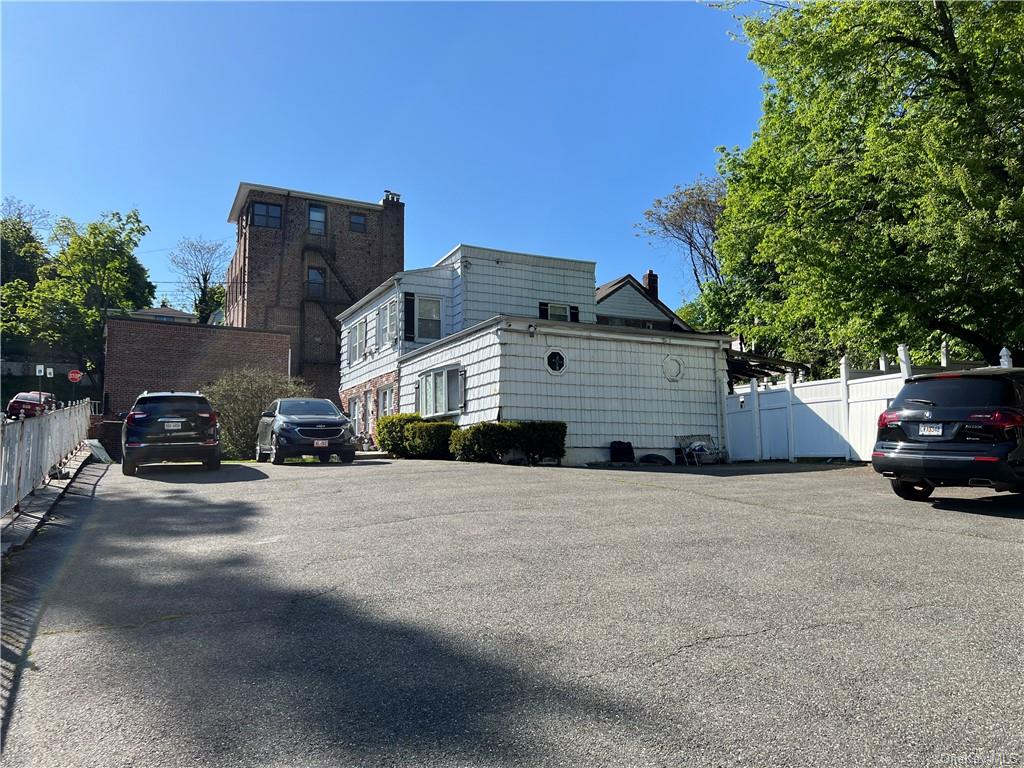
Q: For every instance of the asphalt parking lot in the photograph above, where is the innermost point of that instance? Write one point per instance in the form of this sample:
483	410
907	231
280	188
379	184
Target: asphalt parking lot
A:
445	614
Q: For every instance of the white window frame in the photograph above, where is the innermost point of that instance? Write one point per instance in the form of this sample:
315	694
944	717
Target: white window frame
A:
387	324
385	400
551	313
361	337
440	318
426	390
565	358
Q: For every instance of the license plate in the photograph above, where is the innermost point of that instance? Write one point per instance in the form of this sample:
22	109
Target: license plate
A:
171	425
932	430
319	443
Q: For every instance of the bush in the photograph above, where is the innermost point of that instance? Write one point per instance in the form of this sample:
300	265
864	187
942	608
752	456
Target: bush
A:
241	396
429	439
487	441
541	440
391	432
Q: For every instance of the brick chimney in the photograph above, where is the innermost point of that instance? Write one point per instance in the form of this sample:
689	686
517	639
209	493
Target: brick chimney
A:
651	284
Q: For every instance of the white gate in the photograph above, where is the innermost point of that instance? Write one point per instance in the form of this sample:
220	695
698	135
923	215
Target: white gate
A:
809	419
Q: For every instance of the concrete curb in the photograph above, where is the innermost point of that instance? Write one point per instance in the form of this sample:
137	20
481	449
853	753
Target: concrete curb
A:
36	508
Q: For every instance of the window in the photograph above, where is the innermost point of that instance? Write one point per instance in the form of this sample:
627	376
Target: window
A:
428	318
361	338
558	312
355	414
317	219
357	222
564	312
441	392
385	401
266	215
356	341
555	361
316	283
387	324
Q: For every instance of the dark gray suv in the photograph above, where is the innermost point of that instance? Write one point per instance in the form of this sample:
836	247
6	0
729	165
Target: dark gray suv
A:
304	427
956	428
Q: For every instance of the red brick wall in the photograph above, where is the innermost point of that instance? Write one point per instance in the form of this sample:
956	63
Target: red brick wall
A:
150	355
372	385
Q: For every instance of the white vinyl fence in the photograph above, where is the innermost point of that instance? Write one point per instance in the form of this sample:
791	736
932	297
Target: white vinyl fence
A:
813	419
30	448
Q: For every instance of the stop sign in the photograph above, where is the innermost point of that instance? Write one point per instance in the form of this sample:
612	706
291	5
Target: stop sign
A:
74	376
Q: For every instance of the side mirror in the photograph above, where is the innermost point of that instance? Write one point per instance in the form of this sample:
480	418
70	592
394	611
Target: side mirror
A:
122	415
267	415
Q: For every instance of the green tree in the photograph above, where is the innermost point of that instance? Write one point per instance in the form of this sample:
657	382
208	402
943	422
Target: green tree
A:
881	199
93	274
21	247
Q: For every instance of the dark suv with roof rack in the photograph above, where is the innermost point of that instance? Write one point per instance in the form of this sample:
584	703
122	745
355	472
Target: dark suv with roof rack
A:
954	429
170	426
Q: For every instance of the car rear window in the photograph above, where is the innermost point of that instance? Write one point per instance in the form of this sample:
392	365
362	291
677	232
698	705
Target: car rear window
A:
171	405
956	391
308	408
31	398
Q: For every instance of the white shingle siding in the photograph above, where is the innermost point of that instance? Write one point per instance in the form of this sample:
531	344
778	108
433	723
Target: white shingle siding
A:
376	360
505	283
479	356
628	302
614	386
612	389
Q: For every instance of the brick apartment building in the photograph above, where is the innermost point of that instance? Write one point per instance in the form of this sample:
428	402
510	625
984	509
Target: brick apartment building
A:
300	260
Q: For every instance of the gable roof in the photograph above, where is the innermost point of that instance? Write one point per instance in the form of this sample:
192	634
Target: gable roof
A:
612	287
166	311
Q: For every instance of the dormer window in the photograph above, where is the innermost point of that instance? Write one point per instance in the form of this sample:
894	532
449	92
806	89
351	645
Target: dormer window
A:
558	312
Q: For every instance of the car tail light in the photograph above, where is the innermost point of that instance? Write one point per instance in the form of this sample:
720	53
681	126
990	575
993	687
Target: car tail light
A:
986	458
1000	419
135	417
211	415
888	418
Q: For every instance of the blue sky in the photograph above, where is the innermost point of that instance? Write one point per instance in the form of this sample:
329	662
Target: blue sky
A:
546	128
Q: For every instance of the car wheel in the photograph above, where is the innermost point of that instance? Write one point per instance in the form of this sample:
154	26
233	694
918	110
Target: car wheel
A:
211	465
347	458
261	455
325	458
919	491
275	454
129	468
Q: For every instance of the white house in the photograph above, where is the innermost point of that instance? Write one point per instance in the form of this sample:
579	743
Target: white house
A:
487	335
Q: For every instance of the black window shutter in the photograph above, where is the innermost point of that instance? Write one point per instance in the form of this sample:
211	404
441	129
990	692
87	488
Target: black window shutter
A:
542	311
410	316
574	314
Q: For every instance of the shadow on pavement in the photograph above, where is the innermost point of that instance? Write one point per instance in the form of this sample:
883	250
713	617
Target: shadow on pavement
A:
230	667
734	470
1007	505
194	473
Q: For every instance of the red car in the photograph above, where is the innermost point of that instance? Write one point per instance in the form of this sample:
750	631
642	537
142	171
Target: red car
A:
30	403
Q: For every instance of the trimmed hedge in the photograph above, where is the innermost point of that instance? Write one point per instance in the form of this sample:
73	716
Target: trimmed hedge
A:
429	439
541	440
391	432
489	441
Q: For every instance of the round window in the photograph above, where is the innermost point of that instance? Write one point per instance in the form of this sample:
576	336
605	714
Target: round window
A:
556	361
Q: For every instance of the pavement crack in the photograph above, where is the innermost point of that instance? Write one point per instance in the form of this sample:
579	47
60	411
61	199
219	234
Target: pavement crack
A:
767	630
